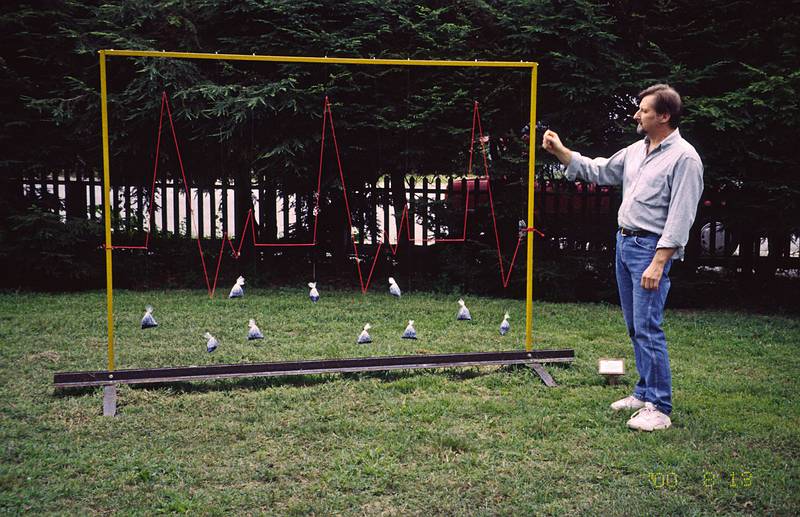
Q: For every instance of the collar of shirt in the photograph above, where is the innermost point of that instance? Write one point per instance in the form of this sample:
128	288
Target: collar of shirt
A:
671	139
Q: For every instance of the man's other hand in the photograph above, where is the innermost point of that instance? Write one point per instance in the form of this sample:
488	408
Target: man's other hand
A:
652	276
551	141
552	144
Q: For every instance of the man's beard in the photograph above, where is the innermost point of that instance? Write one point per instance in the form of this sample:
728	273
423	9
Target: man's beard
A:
640	130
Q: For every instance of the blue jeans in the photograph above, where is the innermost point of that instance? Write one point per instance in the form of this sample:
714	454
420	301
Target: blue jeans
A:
643	310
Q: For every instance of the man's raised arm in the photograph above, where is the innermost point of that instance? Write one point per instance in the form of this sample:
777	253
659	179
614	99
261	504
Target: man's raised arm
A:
599	170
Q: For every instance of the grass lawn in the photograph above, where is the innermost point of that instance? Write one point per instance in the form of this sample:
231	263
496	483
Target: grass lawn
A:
477	441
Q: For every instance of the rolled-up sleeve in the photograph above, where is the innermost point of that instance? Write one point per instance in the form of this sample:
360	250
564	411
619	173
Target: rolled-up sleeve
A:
602	171
687	187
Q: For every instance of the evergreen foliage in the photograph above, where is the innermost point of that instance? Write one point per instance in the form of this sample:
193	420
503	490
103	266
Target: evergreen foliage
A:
735	64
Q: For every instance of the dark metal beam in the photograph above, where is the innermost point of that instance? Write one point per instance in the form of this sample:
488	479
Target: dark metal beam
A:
285	368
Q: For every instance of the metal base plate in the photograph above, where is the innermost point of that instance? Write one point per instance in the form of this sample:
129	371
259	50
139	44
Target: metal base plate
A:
543	374
110	400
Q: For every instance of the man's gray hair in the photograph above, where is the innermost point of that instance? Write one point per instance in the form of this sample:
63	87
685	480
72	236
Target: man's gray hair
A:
666	100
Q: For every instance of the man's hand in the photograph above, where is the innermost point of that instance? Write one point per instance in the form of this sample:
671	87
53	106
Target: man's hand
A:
552	144
652	275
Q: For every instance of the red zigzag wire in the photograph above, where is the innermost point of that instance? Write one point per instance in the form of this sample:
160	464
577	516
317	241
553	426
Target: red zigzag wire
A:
250	221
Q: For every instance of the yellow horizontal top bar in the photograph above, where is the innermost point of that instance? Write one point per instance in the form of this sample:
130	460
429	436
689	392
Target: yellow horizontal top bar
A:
329	60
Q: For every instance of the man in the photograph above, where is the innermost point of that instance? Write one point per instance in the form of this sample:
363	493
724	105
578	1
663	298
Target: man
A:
662	179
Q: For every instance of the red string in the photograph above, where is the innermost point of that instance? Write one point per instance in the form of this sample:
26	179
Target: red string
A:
404	217
155	172
153	184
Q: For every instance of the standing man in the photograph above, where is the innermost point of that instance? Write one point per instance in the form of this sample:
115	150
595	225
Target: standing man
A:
662	180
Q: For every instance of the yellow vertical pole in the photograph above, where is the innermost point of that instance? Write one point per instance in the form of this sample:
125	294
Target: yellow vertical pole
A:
531	188
107	210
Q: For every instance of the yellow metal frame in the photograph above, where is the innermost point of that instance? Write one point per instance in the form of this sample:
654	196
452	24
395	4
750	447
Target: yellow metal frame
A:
320	60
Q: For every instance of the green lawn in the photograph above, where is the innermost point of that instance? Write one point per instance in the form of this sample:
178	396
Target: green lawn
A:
472	441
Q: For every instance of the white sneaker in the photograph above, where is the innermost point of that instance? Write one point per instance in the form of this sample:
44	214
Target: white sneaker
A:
627	403
649	419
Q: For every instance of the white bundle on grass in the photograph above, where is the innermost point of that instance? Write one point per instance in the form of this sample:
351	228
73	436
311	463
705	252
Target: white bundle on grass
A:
237	291
148	321
254	332
410	332
463	312
394	289
504	326
364	336
313	293
212	343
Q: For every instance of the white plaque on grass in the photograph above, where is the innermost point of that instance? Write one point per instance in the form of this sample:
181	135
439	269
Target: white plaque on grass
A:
611	367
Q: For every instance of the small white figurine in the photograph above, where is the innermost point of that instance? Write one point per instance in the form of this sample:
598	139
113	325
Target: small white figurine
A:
394	289
364	336
504	326
313	294
236	290
254	332
463	312
212	343
410	332
148	321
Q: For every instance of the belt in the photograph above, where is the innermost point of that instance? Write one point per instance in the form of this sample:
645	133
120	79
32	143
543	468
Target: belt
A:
636	233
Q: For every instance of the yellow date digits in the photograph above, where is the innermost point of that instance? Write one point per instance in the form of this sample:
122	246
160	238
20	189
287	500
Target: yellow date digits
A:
663	479
737	479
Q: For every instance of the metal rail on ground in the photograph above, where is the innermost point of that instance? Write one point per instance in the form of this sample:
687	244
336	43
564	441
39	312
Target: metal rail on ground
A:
286	368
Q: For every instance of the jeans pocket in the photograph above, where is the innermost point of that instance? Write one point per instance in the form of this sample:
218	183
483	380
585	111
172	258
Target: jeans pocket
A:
646	243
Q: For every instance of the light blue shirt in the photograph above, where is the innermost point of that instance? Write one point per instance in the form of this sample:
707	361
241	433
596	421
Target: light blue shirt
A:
660	190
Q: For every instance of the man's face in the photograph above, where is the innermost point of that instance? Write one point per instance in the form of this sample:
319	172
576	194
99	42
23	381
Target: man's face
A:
646	118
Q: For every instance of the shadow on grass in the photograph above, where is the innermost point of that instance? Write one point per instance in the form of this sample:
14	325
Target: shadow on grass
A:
74	392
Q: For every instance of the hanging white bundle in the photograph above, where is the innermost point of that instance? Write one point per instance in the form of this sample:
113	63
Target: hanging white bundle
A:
313	294
148	321
504	326
254	332
394	289
212	343
463	312
364	337
523	228
410	332
237	291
